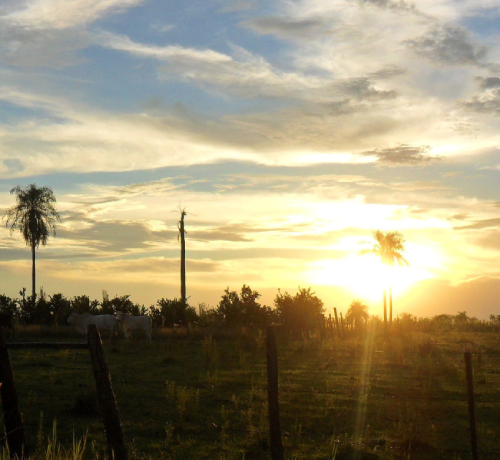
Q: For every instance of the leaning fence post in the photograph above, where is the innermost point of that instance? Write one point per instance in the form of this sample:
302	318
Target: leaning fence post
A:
472	409
277	452
110	414
16	437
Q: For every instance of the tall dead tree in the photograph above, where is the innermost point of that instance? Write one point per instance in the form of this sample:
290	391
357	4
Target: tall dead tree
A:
182	238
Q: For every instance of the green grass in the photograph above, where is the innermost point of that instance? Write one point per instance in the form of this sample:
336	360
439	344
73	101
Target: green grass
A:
202	397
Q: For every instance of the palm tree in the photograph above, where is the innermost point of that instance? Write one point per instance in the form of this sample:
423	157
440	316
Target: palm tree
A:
389	247
357	313
35	216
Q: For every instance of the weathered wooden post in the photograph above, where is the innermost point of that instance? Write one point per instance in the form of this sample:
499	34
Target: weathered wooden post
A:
16	437
107	403
472	408
277	452
337	323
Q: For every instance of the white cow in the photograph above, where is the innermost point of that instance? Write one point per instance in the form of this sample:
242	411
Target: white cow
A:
131	323
82	321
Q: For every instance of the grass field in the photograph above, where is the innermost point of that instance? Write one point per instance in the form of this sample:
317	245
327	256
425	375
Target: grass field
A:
201	397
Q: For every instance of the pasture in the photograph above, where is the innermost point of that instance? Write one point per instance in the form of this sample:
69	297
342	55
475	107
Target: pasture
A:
204	396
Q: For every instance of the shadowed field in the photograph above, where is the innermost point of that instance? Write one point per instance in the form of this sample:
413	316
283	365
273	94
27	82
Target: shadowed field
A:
197	396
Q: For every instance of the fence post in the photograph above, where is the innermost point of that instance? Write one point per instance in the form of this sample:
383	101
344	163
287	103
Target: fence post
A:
16	437
277	452
337	323
110	414
472	409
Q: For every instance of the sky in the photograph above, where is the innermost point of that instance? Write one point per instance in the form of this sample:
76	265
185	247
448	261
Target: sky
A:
289	131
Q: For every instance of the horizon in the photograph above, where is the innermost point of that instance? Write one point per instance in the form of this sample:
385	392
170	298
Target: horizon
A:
289	131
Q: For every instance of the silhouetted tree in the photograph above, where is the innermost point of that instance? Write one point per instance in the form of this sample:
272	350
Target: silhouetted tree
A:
243	309
175	312
357	313
83	304
34	215
60	309
389	247
299	313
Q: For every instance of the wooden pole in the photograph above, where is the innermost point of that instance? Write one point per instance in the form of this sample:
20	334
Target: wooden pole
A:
390	306
337	322
16	437
182	234
472	409
385	309
277	452
107	402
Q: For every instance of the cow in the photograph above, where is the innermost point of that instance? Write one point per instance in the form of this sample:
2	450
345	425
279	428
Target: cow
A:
134	323
7	321
82	321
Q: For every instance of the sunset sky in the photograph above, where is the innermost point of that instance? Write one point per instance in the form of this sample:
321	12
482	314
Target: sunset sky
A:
289	130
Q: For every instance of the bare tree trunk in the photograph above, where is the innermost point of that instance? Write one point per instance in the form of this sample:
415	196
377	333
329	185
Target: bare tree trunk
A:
390	305
33	271
385	308
183	257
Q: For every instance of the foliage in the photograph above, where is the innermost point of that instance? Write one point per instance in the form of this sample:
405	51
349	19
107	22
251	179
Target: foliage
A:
299	313
174	312
357	314
7	304
83	304
123	304
389	247
34	215
243	309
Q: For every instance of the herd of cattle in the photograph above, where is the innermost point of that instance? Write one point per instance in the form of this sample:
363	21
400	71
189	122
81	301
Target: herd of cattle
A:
110	323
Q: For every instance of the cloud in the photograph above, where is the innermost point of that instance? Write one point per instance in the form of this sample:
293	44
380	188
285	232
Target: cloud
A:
246	74
46	33
290	28
450	45
487	101
117	235
62	14
480	224
389	4
489	82
403	155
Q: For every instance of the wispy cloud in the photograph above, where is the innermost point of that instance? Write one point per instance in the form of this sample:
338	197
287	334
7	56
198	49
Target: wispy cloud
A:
403	154
61	14
449	44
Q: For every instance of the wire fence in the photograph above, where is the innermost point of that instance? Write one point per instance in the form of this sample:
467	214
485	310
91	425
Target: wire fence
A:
123	376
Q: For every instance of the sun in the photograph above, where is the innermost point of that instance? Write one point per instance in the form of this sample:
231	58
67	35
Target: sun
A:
366	276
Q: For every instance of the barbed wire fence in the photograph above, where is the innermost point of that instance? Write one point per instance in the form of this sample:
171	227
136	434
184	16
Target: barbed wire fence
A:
356	394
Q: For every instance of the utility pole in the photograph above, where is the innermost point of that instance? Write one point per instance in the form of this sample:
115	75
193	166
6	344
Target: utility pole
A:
182	237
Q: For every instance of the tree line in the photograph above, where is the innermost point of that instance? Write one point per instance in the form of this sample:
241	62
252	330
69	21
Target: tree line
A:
300	312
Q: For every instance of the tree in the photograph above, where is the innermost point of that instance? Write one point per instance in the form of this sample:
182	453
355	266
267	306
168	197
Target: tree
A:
243	309
299	313
34	215
357	313
174	313
389	247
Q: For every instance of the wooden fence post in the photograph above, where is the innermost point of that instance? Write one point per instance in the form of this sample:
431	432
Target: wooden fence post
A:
472	409
277	452
107	403
337	323
16	437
